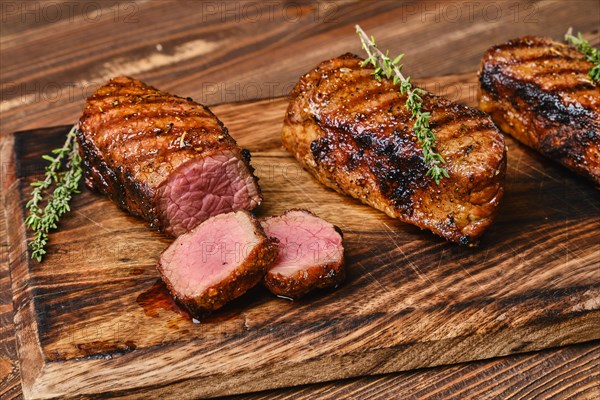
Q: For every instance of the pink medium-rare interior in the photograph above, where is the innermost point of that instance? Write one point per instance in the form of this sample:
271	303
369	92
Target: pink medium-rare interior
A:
205	187
209	253
304	241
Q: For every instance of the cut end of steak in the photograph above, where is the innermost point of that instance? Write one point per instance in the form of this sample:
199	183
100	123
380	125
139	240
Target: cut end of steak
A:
311	254
204	187
165	158
216	262
539	92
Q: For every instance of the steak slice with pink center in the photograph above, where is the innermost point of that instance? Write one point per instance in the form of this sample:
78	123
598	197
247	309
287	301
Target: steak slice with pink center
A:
217	261
311	254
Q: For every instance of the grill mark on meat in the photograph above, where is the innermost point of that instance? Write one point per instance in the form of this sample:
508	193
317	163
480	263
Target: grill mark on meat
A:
550	107
374	96
354	134
159	108
515	44
466	129
395	177
131	156
519	54
560	60
354	95
567	70
541	58
161	117
146	159
457	118
133	97
581	87
207	136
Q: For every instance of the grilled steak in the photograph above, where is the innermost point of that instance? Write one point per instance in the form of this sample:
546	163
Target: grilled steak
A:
539	92
162	157
218	261
311	254
354	135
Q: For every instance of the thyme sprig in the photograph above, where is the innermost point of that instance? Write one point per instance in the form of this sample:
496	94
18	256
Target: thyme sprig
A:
64	173
391	69
591	54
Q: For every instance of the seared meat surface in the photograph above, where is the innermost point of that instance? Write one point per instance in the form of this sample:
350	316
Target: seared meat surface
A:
354	135
539	92
311	254
162	157
216	262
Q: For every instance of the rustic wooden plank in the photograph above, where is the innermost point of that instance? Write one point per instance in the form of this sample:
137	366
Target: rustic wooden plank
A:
566	373
509	376
229	55
72	65
10	378
411	300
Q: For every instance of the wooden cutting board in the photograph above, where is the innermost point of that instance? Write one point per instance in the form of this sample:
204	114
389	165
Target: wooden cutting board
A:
94	320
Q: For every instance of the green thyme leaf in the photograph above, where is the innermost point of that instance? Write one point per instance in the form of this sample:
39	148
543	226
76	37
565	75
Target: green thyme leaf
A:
385	67
591	54
42	219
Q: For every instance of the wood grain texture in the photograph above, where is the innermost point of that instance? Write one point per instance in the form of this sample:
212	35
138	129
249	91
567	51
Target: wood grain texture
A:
10	379
411	299
52	90
567	373
236	52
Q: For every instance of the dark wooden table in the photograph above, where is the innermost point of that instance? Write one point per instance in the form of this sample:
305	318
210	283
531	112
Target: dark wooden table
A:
53	54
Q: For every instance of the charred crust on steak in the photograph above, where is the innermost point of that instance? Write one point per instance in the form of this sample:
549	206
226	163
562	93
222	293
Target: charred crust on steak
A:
298	285
354	135
136	140
538	91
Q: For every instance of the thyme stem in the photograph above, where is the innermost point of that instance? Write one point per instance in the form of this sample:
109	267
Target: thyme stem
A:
64	172
391	69
591	54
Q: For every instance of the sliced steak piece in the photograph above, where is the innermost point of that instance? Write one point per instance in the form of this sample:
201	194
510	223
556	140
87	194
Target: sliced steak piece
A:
354	134
539	92
218	261
311	254
162	157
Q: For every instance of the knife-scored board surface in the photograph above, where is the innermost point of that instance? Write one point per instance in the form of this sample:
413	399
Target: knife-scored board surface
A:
93	318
